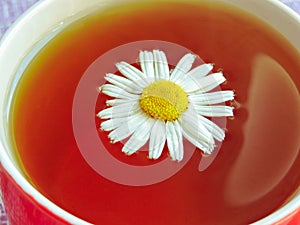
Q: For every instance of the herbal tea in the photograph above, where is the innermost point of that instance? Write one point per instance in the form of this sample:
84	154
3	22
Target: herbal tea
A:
256	169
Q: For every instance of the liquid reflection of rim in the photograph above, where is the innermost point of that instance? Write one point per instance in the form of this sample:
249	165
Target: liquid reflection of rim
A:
11	55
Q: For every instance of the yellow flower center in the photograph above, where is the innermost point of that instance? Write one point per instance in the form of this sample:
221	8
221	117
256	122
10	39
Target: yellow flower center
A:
164	100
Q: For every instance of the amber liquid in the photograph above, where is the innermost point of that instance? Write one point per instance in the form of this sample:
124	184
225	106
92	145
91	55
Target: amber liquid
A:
257	168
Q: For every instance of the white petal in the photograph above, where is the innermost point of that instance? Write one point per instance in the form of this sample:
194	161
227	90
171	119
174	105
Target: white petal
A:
183	66
211	98
123	110
161	65
214	111
124	83
157	139
147	63
213	128
189	84
117	92
139	138
191	121
132	73
203	146
203	85
112	124
196	73
196	132
119	101
201	71
174	140
126	129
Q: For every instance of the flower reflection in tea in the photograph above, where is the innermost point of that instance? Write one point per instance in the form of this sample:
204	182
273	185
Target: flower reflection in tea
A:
163	105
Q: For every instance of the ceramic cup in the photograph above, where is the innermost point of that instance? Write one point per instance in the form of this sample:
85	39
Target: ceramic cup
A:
24	204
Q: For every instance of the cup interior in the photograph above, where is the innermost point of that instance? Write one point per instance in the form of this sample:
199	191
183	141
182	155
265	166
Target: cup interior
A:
46	18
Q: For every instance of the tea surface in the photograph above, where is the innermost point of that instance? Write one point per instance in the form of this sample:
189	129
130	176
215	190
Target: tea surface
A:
257	167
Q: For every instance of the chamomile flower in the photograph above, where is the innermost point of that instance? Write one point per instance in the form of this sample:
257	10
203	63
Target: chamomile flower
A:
164	106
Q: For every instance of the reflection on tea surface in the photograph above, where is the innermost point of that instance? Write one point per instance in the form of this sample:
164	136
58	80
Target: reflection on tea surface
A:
273	123
257	167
